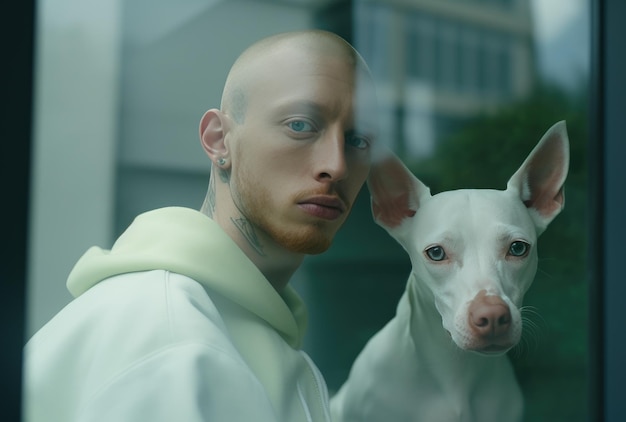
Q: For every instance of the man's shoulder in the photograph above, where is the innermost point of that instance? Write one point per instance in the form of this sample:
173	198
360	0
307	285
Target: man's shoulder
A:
155	307
156	298
153	325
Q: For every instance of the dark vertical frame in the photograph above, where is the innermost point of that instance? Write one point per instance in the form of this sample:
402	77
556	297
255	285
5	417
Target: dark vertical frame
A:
17	34
596	226
607	149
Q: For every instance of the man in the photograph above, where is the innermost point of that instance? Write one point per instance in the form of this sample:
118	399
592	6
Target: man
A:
189	316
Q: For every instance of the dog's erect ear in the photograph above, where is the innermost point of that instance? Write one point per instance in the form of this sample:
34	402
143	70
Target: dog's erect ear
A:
539	181
395	191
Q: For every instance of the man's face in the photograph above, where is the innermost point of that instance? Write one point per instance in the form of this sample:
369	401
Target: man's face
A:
302	153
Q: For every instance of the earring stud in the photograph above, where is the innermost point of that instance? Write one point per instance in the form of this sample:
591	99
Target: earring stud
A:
221	161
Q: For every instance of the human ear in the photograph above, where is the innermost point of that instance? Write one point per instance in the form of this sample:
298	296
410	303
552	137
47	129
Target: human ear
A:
213	129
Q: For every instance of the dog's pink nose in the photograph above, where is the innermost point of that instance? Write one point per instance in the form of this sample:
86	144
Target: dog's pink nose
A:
489	316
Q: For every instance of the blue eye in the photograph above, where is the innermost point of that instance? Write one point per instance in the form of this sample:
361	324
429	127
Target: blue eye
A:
436	253
357	141
300	126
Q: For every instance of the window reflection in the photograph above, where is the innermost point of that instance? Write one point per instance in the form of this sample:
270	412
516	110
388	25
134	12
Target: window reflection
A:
465	86
466	89
458	58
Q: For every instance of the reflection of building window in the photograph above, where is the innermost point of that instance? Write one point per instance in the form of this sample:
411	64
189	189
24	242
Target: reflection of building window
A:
445	63
456	58
496	62
447	66
468	61
420	47
373	37
503	64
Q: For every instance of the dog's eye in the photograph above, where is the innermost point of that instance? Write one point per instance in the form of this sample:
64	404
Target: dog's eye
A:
436	253
519	248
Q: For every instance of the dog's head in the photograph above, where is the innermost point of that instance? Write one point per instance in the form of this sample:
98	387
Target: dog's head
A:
475	250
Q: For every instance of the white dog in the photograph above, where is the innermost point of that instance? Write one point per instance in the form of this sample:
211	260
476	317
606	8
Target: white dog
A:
474	256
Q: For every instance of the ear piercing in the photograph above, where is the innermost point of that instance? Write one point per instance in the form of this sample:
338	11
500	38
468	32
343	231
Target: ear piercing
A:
221	161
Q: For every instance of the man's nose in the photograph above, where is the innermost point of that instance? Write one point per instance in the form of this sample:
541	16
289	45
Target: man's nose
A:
330	157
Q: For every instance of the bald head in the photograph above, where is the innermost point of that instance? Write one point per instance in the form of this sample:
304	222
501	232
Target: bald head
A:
291	144
263	59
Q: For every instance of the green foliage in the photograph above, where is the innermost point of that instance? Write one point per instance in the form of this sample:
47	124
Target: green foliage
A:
489	148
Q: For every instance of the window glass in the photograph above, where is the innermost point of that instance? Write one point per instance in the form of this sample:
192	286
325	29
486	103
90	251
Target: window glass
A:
466	88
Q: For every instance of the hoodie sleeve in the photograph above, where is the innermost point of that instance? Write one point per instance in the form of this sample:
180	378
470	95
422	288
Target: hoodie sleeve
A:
189	382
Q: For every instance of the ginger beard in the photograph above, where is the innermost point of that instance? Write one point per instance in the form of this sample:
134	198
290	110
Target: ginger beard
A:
274	220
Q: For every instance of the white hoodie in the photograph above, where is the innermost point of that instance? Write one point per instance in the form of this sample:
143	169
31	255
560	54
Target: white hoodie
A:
174	323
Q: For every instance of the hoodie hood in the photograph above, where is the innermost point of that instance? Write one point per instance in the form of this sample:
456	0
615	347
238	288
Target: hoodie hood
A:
187	242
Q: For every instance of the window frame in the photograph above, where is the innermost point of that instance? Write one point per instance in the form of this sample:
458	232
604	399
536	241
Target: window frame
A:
607	228
607	207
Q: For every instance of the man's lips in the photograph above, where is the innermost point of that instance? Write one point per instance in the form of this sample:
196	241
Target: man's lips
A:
323	206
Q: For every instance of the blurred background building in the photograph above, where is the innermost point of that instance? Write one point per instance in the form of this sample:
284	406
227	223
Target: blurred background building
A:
439	63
